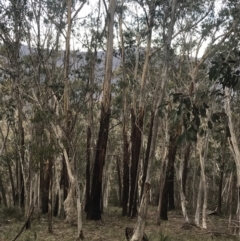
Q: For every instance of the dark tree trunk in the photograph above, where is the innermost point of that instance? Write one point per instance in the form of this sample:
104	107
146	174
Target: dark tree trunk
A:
50	209
219	204
21	143
88	171
3	192
12	183
136	137
171	204
185	166
119	181
126	158
64	180
164	203
94	205
56	205
169	179
145	164
20	187
44	185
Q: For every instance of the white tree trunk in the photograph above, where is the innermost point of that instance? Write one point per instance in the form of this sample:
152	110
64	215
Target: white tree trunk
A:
69	204
179	174
199	204
233	143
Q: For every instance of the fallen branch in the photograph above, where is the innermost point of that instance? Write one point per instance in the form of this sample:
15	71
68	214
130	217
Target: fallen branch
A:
25	223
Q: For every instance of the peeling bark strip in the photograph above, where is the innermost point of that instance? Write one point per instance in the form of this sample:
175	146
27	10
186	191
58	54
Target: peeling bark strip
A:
94	208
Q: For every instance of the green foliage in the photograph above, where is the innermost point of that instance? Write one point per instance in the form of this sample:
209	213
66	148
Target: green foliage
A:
159	237
224	72
8	213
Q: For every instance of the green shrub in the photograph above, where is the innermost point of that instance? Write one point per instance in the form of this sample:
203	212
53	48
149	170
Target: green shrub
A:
8	213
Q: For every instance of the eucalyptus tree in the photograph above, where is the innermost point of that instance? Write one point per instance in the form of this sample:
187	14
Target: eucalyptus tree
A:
12	28
210	28
126	156
160	89
94	208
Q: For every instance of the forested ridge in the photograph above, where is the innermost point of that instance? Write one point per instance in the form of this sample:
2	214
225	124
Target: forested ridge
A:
132	104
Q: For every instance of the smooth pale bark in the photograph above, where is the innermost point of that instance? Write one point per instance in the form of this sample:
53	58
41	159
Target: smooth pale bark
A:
27	170
233	143
126	154
202	148
199	204
179	175
50	202
79	214
69	206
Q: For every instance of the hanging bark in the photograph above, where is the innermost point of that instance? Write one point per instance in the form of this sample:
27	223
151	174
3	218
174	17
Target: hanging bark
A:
94	208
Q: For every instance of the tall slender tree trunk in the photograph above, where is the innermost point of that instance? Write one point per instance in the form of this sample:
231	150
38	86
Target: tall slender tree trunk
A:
126	154
172	149
50	197
119	180
202	147
94	208
139	228
146	159
3	192
185	166
138	117
179	174
137	124
233	143
220	186
2	188
88	167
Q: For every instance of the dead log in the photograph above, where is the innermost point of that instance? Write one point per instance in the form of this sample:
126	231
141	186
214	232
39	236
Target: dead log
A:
129	234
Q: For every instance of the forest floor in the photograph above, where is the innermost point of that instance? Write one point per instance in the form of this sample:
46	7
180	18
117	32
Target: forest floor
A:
112	228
